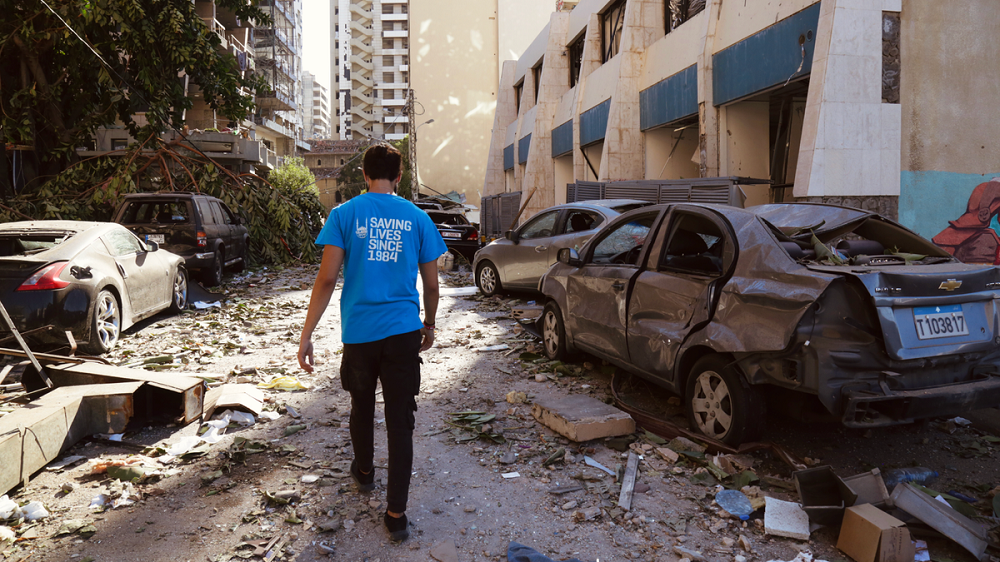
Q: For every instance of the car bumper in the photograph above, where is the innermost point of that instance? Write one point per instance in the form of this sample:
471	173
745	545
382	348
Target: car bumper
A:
198	260
46	316
891	407
467	248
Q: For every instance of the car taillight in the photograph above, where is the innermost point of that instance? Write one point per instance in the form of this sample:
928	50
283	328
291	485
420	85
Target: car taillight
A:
474	235
202	240
45	278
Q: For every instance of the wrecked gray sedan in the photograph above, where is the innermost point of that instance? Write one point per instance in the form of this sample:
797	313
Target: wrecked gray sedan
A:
795	302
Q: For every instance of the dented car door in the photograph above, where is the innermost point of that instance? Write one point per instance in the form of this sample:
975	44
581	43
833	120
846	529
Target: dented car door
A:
597	293
676	294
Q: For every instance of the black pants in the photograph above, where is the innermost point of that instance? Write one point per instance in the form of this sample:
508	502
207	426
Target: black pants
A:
396	362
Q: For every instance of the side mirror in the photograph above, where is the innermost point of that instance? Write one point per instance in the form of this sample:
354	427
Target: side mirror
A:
152	246
511	235
569	256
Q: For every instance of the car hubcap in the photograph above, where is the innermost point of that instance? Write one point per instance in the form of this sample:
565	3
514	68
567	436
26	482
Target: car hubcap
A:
108	323
550	328
712	405
180	290
487	280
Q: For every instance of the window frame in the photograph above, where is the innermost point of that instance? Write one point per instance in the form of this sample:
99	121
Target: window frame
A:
613	24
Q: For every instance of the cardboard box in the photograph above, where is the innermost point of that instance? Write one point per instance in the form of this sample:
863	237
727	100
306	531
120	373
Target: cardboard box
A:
870	488
868	534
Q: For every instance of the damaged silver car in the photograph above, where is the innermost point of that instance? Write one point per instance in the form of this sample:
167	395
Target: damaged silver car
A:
804	303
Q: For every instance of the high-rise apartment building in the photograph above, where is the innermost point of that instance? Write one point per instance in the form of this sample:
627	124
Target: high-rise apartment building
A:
315	108
370	68
278	53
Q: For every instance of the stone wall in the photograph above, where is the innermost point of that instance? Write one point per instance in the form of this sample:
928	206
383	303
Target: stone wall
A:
885	205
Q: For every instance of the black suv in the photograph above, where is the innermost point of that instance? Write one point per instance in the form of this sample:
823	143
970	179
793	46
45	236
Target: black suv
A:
460	236
200	228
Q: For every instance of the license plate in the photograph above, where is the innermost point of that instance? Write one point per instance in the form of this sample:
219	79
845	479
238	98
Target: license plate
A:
451	234
158	238
940	321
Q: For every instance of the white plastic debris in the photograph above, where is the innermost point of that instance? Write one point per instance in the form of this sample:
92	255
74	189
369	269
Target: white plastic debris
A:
309	478
509	475
8	508
34	511
184	445
7	534
270	416
244	419
99	502
201	305
802	557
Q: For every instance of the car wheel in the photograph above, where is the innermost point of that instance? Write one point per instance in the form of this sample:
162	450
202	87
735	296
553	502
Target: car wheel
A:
488	279
179	294
721	405
242	265
554	333
105	325
213	276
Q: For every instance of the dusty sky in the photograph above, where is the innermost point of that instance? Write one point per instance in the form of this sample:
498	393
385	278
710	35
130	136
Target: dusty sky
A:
316	37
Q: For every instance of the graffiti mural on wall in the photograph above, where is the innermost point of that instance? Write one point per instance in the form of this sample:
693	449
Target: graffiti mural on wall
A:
975	236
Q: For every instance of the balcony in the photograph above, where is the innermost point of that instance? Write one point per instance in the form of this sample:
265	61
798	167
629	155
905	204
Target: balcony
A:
395	17
396	33
404	68
274	126
394	136
394	102
384	2
396	119
393	86
303	144
276	100
216	27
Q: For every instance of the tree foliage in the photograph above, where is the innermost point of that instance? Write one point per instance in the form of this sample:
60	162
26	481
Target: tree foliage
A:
282	222
55	92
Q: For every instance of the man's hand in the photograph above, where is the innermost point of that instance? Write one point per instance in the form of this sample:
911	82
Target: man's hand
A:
306	360
428	341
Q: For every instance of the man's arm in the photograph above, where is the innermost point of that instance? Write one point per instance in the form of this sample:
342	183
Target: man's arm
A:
429	277
326	282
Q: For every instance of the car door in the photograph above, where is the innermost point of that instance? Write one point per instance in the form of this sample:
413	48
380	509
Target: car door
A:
580	225
145	278
533	253
597	292
676	293
235	241
223	222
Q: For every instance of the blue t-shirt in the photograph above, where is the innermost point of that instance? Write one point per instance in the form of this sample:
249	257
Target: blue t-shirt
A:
385	238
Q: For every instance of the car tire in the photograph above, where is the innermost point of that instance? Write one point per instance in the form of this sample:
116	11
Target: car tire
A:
721	405
179	291
553	330
488	279
213	275
105	323
242	265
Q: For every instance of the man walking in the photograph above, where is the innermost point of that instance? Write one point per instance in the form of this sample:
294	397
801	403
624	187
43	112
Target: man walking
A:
382	241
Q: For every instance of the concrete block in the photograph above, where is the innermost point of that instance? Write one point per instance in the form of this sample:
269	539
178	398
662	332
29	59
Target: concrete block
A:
582	418
785	519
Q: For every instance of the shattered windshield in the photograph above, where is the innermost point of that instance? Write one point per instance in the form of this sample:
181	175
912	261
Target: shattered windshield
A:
866	240
30	243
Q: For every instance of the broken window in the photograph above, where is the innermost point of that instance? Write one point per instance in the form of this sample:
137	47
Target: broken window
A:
695	246
536	75
623	244
612	24
575	60
517	97
677	12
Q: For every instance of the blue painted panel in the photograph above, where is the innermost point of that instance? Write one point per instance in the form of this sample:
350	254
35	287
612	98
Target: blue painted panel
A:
928	200
522	148
765	59
594	123
562	139
669	99
508	157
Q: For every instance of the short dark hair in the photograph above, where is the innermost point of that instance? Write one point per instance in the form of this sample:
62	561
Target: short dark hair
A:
382	162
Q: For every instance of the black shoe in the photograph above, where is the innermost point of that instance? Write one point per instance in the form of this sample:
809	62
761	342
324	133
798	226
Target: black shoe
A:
397	527
365	482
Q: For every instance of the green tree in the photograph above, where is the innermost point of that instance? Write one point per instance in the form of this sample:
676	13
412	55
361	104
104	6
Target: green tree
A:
298	186
57	89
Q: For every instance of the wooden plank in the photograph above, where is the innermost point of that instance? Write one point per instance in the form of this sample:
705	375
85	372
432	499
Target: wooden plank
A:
628	482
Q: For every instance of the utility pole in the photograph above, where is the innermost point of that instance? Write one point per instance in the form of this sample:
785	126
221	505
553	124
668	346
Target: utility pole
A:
414	184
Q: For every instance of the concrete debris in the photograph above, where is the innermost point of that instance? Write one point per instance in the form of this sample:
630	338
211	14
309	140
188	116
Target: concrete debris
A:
786	519
802	557
581	418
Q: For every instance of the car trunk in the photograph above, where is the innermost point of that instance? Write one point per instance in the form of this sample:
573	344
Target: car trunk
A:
168	222
931	310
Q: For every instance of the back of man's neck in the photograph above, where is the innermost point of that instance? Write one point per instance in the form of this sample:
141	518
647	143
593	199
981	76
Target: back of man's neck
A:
384	187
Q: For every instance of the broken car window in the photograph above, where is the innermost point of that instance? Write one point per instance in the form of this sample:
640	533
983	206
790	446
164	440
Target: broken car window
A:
540	227
623	244
26	244
695	245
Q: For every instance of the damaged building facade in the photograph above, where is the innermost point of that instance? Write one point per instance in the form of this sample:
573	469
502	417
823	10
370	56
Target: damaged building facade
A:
881	104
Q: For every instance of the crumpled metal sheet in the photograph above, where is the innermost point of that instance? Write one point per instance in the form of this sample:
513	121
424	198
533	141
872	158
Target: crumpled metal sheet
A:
763	301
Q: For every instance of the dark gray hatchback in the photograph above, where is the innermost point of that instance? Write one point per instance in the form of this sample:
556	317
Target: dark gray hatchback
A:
829	308
198	227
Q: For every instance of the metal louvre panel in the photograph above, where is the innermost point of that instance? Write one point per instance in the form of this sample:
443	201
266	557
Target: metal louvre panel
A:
571	193
718	194
675	193
642	191
589	190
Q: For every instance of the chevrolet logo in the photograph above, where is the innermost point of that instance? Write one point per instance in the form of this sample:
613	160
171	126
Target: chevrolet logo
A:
950	285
